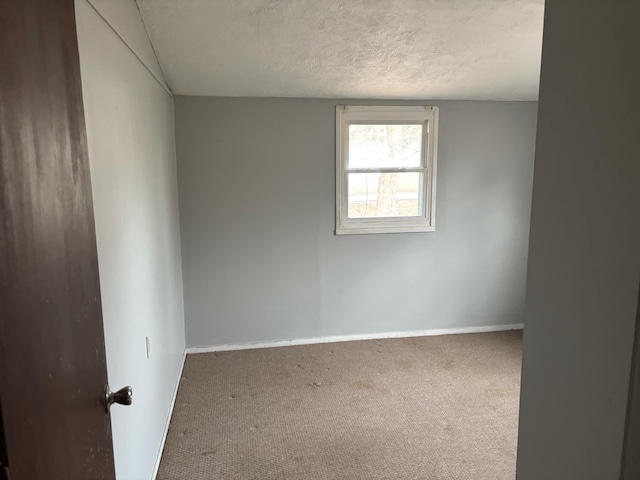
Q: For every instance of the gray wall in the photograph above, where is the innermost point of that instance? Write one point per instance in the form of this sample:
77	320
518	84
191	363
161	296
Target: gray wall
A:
584	260
133	174
630	457
257	205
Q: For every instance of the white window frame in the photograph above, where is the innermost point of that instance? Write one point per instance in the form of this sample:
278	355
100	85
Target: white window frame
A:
427	116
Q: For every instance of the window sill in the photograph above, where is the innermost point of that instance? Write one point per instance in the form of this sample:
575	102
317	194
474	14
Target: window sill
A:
362	230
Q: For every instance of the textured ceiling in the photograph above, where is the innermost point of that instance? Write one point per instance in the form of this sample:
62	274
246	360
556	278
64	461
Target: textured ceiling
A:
428	49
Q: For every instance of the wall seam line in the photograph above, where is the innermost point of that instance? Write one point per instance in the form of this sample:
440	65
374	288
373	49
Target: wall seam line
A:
164	87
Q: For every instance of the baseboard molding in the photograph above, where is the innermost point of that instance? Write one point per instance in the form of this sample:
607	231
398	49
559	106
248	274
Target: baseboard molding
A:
351	338
166	427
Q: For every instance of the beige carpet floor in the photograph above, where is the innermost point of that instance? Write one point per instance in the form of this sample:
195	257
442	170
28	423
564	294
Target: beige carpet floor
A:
442	408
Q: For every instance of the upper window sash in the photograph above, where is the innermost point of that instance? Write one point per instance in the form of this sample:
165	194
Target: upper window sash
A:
423	148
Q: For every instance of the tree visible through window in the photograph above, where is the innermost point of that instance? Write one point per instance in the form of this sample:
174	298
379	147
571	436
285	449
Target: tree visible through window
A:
386	169
382	194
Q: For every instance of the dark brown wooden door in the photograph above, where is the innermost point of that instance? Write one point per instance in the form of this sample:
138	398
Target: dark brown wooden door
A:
52	359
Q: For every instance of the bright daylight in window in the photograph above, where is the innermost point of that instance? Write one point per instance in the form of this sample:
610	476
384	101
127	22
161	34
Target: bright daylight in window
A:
385	169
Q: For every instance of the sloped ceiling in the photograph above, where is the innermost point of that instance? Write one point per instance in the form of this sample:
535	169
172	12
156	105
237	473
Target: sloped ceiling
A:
426	49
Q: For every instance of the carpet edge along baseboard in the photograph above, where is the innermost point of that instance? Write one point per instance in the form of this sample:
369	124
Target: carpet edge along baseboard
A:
353	337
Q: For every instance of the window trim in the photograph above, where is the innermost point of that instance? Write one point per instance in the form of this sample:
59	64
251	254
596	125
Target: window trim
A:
356	114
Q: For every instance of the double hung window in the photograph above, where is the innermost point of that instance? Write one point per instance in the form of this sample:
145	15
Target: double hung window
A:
385	169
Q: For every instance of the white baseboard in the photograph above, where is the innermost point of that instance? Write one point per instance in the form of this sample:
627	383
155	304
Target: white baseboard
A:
166	427
350	338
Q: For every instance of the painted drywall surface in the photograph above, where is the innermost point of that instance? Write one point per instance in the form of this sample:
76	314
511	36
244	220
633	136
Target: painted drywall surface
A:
630	457
124	17
584	259
257	208
132	155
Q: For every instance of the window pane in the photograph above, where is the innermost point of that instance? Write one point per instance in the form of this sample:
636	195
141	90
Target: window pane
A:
385	194
372	146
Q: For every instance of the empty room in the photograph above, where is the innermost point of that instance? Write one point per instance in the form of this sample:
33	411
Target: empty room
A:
277	239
